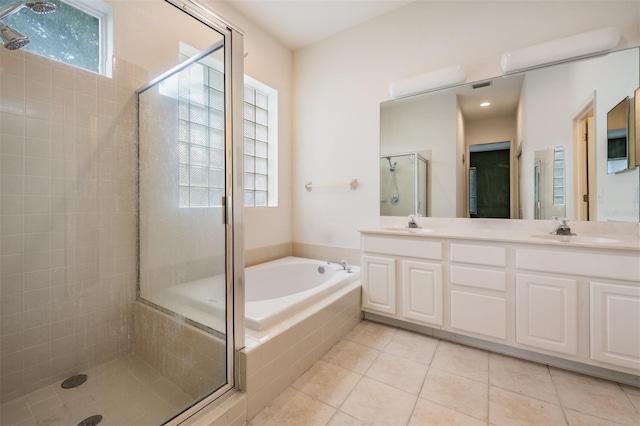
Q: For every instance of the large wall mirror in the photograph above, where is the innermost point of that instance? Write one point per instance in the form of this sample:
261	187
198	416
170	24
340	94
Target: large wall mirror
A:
524	146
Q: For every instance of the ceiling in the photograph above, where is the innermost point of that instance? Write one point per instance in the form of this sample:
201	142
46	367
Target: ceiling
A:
299	23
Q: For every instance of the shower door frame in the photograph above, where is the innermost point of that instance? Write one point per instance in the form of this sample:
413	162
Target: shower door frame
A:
233	205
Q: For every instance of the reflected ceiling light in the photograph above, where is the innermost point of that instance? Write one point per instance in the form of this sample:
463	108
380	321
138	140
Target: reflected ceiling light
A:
563	49
438	79
485	104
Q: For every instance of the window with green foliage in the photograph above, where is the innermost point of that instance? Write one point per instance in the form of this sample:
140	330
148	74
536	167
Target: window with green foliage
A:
75	34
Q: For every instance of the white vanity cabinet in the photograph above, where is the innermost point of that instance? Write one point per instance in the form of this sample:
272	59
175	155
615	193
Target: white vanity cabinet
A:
581	303
478	291
402	278
546	301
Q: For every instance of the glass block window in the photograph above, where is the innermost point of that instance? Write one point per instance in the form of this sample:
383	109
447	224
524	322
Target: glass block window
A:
77	33
558	176
201	139
256	140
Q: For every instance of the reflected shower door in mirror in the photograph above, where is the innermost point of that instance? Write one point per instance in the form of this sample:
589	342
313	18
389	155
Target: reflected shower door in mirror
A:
404	184
549	188
538	110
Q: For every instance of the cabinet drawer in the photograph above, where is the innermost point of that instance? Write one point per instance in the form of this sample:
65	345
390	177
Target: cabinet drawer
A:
408	247
479	278
479	254
611	266
479	314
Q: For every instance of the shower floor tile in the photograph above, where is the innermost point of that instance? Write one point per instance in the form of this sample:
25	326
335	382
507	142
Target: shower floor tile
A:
126	391
462	386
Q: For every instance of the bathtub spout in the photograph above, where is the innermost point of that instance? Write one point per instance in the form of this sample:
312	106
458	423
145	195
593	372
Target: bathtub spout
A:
342	263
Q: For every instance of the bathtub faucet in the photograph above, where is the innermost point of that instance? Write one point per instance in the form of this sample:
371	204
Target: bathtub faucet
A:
342	263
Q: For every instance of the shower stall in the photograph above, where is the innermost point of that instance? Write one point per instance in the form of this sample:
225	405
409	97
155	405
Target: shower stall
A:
118	192
404	184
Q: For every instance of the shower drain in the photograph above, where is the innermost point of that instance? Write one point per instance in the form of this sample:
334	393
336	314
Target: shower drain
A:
91	421
74	381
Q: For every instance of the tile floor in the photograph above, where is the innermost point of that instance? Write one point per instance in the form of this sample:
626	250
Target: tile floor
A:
126	391
383	375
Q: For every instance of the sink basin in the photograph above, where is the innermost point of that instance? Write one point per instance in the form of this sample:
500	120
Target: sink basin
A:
408	230
580	239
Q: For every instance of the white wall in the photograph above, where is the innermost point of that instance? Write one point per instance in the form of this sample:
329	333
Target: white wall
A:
568	88
340	82
269	62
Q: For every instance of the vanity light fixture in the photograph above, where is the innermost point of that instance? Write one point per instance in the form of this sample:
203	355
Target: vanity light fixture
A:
485	104
437	79
573	47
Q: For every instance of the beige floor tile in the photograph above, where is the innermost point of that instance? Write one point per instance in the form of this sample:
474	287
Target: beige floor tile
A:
412	346
343	419
371	334
576	418
352	356
432	414
457	392
633	394
327	383
523	377
594	396
398	372
378	404
511	409
294	408
462	360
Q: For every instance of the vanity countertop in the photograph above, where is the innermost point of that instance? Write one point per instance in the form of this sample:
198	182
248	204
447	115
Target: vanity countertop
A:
604	241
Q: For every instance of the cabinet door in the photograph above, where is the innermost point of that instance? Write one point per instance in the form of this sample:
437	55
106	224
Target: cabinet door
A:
379	284
422	292
477	313
546	313
615	324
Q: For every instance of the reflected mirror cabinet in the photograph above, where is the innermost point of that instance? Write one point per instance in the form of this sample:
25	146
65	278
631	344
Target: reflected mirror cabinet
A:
553	141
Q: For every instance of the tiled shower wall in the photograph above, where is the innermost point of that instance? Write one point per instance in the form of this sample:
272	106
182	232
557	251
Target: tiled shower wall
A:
68	218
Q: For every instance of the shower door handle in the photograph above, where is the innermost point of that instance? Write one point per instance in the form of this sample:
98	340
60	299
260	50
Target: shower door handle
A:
224	210
227	206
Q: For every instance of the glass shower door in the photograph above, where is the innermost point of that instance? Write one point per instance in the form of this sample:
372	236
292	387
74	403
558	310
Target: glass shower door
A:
181	313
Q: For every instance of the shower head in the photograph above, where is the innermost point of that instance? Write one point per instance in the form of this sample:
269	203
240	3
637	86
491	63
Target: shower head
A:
36	6
11	38
41	7
392	166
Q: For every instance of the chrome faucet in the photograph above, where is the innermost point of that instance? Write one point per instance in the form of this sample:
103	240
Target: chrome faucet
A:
412	222
562	228
342	263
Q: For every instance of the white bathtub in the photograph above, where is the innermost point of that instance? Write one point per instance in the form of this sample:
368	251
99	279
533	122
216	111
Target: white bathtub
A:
278	289
273	291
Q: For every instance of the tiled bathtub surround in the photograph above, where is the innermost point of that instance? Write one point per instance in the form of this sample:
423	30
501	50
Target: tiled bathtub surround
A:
275	358
309	251
379	374
320	252
67	218
266	254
